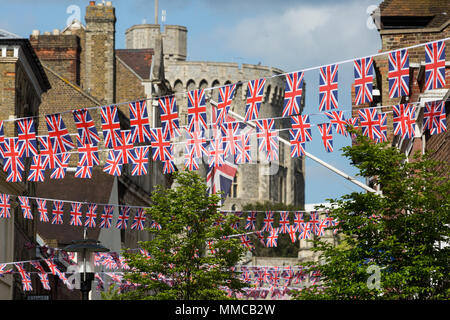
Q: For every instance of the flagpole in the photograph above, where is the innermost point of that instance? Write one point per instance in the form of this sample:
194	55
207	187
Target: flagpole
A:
309	155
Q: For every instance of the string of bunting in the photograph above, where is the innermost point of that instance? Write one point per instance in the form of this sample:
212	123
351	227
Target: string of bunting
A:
228	139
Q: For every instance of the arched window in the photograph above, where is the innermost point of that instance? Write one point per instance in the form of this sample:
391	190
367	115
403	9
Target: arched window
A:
190	86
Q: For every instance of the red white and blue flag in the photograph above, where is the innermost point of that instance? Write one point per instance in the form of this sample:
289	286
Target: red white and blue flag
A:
404	120
37	169
302	125
243	148
87	132
216	152
26	133
230	137
58	133
196	143
110	125
140	161
25	206
328	87
338	121
48	152
191	162
197	111
139	220
267	138
293	94
297	145
58	212
298	220
363	80
254	98
221	178
26	279
268	221
169	117
87	155
5	206
251	221
161	146
113	164
383	127
12	161
434	117
271	240
369	122
325	130
106	217
91	215
61	165
139	122
398	75
304	231
42	209
75	214
284	222
435	65
124	215
314	222
226	95
125	147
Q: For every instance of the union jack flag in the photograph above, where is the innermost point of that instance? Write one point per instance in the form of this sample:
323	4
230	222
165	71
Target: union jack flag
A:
327	137
328	87
398	75
91	215
140	161
5	207
139	220
298	220
26	132
314	222
404	120
297	145
220	178
169	117
2	137
260	236
254	98
321	228
226	95
383	128
48	152
110	125
243	149
169	166
87	132
338	120
139	122
58	133
245	242
125	147
293	93
26	279
363	80
87	154
113	164
251	221
197	111
190	160
13	165
83	172
61	165
196	143
37	169
42	209
268	221
292	233
302	126
434	118
305	231
58	212
272	238
25	206
369	123
75	214
55	271
435	65
161	147
216	153
267	138
124	215
230	136
44	281
284	222
106	217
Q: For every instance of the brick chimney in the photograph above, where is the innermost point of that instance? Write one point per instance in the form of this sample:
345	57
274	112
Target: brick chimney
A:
99	51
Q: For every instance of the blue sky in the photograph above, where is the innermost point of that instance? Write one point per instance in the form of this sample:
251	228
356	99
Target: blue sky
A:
287	34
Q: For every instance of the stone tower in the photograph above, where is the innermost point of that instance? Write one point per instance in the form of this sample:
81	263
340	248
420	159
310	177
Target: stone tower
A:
100	43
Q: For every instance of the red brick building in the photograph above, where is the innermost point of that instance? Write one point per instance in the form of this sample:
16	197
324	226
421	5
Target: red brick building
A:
404	23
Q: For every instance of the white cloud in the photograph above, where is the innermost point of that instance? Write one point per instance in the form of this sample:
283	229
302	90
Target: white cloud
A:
303	35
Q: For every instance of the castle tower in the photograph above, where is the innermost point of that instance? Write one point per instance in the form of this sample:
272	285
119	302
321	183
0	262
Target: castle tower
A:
99	52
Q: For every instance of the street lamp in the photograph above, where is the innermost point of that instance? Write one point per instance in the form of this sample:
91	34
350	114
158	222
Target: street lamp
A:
85	254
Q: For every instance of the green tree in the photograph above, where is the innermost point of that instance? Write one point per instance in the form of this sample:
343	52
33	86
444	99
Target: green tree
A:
179	250
398	237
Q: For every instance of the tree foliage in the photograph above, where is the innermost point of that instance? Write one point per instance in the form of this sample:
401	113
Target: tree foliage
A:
399	237
179	251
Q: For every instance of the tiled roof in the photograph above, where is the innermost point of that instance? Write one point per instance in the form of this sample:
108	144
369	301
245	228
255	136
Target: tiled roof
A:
139	60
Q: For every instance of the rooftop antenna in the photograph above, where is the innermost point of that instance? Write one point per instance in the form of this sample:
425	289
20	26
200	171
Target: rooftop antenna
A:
163	17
